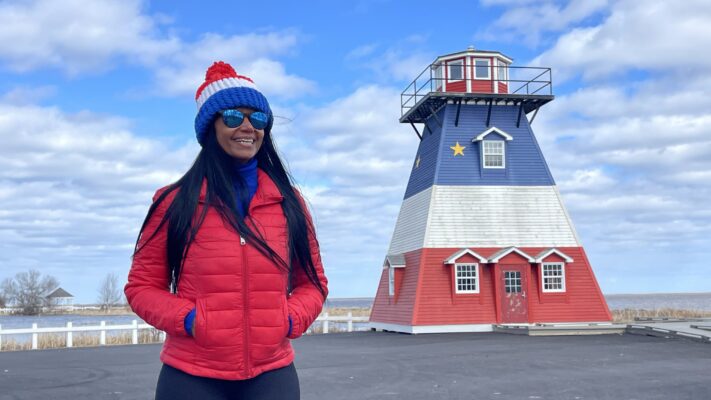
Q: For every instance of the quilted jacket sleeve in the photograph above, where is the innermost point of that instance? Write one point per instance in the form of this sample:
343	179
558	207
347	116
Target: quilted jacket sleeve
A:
147	290
306	301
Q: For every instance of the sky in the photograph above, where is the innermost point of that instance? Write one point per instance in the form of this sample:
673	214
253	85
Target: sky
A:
97	111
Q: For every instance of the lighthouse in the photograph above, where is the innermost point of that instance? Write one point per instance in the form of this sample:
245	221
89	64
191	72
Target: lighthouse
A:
483	237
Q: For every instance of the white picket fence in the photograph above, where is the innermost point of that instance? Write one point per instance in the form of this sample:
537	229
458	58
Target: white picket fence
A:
134	327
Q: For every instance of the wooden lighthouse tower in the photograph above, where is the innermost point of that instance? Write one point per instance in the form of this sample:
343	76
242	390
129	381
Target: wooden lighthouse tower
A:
483	237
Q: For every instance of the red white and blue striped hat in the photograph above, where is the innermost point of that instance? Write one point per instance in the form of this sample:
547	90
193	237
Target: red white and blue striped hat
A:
224	89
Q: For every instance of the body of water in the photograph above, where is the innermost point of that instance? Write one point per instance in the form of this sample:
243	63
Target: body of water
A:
648	301
653	301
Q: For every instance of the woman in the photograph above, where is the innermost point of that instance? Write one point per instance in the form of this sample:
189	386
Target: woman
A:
227	262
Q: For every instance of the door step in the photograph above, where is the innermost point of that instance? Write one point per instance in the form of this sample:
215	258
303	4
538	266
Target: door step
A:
562	329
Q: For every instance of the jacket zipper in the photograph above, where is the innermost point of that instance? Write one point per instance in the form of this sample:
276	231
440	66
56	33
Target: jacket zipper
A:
245	291
245	288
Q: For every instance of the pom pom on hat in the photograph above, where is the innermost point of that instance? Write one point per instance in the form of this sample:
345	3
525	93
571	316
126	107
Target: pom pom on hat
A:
224	89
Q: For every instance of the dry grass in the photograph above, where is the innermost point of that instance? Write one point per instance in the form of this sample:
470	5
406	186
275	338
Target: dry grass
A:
97	312
343	311
629	314
112	311
83	339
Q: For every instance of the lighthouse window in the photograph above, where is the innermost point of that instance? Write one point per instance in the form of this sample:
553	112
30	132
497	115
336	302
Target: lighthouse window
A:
502	71
553	277
467	276
493	154
481	69
391	281
437	78
512	281
456	70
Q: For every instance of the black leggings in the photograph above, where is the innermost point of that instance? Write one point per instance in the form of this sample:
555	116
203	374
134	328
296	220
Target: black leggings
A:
281	384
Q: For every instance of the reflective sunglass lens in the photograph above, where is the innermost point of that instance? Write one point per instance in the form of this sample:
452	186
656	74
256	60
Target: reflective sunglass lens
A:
232	118
259	120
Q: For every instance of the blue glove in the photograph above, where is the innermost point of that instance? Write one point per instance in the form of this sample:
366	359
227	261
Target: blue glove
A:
190	318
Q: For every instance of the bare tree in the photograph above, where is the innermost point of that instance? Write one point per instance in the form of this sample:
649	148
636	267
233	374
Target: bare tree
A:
8	288
110	294
30	289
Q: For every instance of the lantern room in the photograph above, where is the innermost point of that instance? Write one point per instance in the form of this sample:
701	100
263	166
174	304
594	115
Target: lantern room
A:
475	77
471	71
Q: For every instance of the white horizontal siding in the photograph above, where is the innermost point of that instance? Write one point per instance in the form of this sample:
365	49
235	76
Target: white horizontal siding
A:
411	223
498	216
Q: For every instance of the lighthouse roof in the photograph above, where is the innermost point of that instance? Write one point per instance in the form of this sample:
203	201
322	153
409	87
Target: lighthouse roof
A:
475	52
394	260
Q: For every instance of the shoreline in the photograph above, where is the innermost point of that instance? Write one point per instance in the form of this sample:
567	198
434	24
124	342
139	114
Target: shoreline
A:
622	314
125	312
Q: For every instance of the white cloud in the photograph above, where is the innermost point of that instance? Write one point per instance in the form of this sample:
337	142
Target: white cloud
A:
361	51
27	95
249	54
78	36
74	189
527	20
402	61
656	35
587	180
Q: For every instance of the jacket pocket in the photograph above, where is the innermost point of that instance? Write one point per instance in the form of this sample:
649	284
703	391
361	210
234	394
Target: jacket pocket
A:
210	323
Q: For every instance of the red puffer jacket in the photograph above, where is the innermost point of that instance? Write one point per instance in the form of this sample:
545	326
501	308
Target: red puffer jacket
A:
240	295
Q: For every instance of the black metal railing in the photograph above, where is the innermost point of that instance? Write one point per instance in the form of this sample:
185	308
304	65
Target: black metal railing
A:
530	81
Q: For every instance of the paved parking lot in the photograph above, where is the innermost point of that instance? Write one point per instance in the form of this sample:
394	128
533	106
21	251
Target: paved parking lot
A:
380	365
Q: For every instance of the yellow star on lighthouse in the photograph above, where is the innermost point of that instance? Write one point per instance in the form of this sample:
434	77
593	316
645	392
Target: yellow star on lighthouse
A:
417	162
458	149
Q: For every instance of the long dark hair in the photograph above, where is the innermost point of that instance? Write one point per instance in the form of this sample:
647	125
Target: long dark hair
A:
216	166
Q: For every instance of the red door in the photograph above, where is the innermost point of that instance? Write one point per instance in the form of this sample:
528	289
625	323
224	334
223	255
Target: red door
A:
514	302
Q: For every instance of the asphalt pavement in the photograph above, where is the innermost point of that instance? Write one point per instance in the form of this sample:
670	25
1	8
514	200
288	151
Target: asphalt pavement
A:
382	365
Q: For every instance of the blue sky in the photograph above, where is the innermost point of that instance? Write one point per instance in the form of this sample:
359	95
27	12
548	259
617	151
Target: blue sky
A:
97	108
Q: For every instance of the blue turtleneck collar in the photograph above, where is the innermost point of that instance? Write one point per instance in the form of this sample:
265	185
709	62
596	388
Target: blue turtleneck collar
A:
248	172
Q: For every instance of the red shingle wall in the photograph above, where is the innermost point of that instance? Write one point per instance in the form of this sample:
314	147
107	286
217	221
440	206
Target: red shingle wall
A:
398	309
437	304
582	300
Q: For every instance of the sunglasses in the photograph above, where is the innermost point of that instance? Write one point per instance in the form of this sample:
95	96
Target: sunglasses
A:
234	118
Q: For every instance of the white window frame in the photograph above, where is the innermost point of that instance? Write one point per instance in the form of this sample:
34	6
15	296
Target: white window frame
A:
544	277
488	69
508	284
502	66
484	154
451	63
438	78
391	281
477	281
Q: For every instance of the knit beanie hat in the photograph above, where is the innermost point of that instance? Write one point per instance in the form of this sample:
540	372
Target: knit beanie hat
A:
223	89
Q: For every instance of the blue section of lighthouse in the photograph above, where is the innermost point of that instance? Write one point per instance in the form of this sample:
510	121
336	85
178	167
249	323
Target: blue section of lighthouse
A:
522	162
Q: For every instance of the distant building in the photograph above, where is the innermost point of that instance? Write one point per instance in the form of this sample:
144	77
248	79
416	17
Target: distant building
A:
59	299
